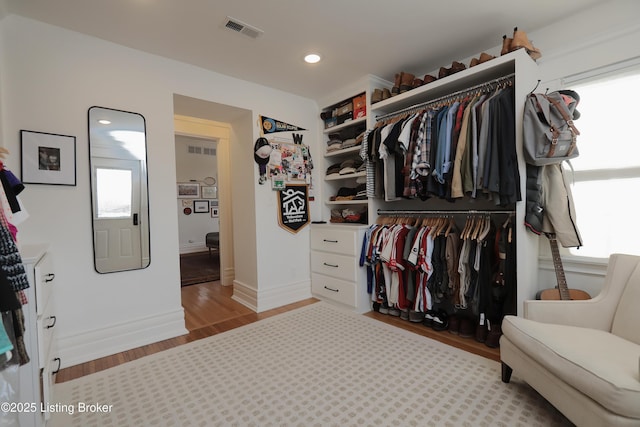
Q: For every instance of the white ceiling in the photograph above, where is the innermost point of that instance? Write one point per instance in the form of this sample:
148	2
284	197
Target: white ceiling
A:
355	37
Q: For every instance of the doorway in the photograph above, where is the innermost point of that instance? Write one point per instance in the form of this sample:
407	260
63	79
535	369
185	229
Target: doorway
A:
204	119
198	209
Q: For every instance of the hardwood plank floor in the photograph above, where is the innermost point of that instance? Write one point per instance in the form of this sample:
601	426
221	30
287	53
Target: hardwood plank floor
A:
209	310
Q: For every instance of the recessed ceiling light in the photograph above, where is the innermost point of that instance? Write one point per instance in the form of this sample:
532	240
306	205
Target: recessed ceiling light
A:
312	58
104	122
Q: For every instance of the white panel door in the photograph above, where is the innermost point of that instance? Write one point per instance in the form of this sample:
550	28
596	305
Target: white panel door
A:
116	219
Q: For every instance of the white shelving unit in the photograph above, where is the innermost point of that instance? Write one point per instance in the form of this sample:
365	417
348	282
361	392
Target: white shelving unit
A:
332	183
525	75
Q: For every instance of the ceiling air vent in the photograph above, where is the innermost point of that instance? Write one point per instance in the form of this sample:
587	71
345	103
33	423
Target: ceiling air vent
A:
242	28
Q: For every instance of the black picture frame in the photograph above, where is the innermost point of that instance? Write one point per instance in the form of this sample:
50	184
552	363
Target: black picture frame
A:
201	206
47	158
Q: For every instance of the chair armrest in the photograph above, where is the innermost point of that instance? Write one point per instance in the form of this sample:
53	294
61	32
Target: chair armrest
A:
596	313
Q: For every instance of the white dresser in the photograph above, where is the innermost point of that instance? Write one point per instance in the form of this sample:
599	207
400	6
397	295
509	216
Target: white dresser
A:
36	377
335	271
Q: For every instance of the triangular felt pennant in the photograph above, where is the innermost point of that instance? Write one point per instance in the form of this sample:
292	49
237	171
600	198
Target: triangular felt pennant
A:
270	125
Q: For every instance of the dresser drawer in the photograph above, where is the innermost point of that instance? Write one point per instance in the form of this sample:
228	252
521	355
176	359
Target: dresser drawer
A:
335	289
46	324
335	241
44	280
338	266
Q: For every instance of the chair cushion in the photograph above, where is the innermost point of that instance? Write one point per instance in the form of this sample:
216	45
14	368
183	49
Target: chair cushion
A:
599	364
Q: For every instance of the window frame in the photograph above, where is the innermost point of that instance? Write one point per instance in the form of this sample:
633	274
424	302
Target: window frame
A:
614	70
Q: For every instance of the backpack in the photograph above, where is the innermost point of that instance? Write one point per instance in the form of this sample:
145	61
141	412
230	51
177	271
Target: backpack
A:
549	133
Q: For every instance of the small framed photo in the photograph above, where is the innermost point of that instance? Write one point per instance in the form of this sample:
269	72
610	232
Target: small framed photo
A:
209	192
214	212
48	158
188	190
200	206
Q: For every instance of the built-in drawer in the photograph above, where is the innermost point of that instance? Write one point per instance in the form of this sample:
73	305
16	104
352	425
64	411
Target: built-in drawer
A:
338	266
44	278
335	289
46	387
46	326
335	241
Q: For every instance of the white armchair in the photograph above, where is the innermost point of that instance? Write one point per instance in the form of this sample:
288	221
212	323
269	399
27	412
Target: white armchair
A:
583	356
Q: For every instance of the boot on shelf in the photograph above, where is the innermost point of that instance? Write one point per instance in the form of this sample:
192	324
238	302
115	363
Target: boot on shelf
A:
376	96
520	40
506	45
395	90
484	57
406	82
428	78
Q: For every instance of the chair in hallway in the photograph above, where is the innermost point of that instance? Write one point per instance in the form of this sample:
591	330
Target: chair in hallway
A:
212	241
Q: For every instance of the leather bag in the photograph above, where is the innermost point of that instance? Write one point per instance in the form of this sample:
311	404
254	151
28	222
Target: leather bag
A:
550	136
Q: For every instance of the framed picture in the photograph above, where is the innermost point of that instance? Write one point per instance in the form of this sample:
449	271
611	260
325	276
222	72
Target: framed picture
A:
200	206
48	158
188	190
209	192
214	212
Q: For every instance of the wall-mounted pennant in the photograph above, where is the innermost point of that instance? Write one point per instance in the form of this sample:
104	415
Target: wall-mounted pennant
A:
270	125
293	207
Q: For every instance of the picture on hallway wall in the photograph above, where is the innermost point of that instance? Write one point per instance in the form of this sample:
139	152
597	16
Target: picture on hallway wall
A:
200	206
188	190
209	192
48	158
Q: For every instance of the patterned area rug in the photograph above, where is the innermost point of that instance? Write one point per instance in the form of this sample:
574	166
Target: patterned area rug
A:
314	366
199	267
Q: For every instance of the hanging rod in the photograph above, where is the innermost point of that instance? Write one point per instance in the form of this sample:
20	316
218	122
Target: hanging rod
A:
441	212
451	95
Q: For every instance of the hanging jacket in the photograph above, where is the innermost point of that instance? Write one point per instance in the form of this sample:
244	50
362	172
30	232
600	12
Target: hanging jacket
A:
550	208
560	212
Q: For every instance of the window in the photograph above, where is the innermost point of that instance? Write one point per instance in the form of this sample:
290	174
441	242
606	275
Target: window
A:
606	187
114	192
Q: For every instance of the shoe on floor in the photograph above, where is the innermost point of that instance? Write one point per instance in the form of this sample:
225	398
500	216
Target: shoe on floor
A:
493	338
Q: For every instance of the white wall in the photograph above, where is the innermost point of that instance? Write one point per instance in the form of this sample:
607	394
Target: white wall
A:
50	77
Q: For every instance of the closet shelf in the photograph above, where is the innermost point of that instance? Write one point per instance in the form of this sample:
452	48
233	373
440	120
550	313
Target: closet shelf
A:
343	151
345	125
347	202
347	176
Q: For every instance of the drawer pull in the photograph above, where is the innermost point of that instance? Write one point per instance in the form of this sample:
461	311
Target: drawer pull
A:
331	265
52	324
331	289
329	241
57	359
49	277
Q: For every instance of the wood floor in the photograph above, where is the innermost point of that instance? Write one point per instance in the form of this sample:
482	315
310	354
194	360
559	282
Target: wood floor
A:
209	310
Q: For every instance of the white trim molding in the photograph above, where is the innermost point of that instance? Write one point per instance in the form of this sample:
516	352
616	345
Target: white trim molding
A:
260	301
116	338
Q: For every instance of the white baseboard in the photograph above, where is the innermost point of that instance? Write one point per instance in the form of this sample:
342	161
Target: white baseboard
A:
113	339
260	301
188	248
245	295
227	276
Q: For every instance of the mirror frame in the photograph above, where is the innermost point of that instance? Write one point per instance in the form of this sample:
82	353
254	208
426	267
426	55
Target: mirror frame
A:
143	206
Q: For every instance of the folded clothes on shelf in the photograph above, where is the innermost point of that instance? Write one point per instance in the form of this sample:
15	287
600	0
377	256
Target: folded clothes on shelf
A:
349	215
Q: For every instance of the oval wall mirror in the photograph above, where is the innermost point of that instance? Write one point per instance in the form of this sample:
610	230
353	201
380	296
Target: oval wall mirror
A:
119	190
